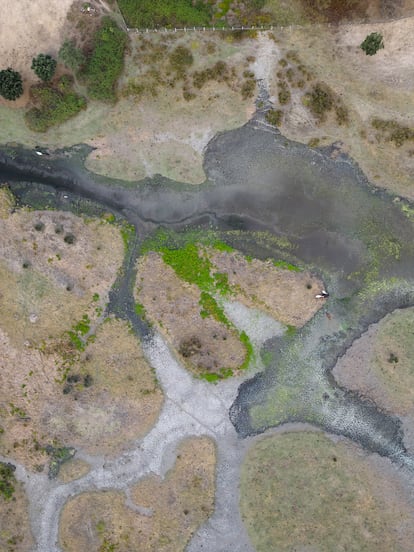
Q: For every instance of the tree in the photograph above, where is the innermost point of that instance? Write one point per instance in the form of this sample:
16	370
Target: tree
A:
372	44
71	56
44	66
11	86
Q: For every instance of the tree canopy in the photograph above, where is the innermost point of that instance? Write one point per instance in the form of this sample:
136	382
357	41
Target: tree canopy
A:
11	85
372	43
44	66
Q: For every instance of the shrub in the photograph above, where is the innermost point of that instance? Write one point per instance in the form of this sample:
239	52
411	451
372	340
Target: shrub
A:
274	117
44	66
372	43
54	105
284	96
248	88
320	100
7	480
180	59
105	63
11	85
71	56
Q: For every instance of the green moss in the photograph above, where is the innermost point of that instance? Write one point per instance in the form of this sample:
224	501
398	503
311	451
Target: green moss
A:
189	265
222	246
287	266
244	338
127	234
140	310
212	378
210	307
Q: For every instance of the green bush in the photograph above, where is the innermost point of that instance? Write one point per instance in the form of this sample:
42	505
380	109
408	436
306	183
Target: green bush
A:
54	105
165	13
7	480
71	56
105	63
11	86
372	43
44	66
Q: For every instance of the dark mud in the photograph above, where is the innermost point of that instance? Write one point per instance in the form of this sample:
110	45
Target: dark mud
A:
357	237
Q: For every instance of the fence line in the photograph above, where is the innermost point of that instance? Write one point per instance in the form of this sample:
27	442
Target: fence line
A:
258	27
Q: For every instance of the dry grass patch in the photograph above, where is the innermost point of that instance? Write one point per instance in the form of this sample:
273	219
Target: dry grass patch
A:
381	363
102	400
15	531
285	293
161	515
304	492
205	344
73	469
368	87
28	28
54	266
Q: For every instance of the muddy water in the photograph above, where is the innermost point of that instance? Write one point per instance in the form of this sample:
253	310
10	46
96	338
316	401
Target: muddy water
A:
357	237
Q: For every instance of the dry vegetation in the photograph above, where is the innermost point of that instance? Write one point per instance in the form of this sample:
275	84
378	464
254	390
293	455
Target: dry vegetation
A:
67	378
380	364
287	295
205	345
305	492
99	400
161	515
370	106
15	531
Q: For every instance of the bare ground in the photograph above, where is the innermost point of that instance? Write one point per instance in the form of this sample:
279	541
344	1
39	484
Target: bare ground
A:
155	515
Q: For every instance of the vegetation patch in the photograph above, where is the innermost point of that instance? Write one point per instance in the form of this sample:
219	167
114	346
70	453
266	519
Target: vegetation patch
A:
7	480
300	490
54	104
168	13
181	298
15	534
274	117
177	505
105	63
393	131
321	100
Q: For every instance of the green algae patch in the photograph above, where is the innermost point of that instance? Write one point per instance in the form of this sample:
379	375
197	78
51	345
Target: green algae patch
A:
300	491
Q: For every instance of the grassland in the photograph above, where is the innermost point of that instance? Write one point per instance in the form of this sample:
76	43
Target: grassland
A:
167	511
302	491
